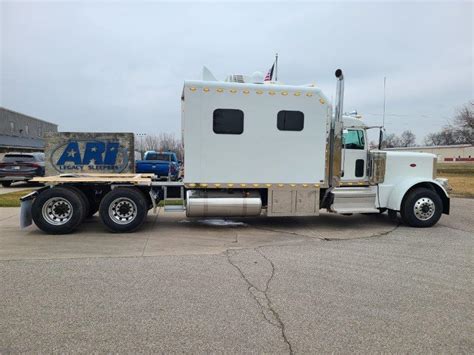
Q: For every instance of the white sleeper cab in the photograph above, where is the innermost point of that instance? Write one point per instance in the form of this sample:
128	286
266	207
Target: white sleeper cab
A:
255	148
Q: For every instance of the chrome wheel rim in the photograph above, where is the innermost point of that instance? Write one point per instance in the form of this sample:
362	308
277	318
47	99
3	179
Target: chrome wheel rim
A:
122	210
424	208
57	211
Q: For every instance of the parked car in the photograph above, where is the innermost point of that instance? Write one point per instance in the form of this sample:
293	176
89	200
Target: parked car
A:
162	164
21	167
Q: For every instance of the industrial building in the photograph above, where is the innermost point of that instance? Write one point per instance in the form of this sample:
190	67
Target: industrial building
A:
458	153
22	133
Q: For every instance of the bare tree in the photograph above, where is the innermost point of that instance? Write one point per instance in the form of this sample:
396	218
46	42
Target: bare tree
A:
464	122
391	140
163	142
152	142
461	131
407	139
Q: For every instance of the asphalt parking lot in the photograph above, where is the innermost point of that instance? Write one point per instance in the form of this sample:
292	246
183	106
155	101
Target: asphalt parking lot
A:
286	285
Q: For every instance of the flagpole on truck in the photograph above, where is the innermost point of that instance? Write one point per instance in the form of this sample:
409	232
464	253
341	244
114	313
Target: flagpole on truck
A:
276	67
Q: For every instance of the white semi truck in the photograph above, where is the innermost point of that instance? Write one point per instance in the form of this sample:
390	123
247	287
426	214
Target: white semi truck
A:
252	148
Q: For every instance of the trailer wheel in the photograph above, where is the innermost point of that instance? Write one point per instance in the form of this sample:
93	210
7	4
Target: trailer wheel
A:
58	210
85	201
123	209
421	208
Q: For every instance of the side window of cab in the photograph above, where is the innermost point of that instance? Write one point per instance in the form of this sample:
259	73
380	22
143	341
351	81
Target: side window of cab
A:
353	139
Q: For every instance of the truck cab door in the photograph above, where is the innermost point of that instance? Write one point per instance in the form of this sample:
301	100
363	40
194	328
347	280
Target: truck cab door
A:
354	155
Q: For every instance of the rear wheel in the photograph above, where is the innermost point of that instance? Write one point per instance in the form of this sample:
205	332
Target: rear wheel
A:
421	208
58	210
123	210
6	183
83	197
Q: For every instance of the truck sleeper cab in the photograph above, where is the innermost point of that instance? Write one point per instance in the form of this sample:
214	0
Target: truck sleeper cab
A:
308	160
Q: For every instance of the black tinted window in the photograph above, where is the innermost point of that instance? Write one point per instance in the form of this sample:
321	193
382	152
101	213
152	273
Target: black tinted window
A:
290	120
11	158
228	121
153	156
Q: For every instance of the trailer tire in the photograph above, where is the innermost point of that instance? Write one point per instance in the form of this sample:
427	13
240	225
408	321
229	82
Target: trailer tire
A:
123	210
58	210
421	208
83	197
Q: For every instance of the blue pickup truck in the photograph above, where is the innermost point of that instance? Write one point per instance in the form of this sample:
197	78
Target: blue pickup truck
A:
161	164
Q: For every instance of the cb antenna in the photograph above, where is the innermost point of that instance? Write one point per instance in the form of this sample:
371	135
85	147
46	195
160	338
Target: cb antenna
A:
384	97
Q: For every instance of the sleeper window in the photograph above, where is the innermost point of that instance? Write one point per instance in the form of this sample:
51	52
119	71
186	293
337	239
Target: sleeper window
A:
228	121
290	121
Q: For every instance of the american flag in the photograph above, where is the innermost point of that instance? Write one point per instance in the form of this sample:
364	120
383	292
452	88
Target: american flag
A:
269	75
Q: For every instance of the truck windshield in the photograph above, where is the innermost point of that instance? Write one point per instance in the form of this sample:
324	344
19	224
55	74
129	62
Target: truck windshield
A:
157	156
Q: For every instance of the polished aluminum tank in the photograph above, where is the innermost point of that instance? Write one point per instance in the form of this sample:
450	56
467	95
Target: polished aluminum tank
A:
222	204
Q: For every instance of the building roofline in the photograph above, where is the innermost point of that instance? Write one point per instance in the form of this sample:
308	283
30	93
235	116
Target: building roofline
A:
22	114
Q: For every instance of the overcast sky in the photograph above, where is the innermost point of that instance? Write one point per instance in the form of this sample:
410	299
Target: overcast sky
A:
120	66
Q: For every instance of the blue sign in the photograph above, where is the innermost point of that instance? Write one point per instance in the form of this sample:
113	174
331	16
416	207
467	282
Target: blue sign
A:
90	156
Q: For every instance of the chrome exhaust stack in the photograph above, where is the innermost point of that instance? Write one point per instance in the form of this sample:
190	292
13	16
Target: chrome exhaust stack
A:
335	139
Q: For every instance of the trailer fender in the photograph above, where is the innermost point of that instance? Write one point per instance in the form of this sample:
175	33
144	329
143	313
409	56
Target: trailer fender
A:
400	190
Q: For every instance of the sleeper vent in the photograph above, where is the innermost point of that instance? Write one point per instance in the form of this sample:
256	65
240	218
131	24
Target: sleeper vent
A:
236	78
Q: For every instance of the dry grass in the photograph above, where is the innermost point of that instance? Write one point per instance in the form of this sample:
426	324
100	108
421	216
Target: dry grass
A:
12	199
460	177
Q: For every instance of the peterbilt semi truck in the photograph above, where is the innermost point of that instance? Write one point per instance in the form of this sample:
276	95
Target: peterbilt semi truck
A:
255	148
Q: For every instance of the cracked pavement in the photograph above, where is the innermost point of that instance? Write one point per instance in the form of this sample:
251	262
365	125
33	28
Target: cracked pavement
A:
284	285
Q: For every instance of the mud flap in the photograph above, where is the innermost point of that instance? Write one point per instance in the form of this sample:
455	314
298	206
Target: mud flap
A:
25	209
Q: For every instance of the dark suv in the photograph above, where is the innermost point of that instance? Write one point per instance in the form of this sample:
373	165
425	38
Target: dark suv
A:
21	167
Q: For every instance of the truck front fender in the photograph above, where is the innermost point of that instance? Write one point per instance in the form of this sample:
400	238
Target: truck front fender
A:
400	190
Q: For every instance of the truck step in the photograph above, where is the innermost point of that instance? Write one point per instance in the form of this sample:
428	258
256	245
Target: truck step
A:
174	208
354	200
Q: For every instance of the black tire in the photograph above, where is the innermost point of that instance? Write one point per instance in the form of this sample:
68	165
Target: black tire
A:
58	210
6	183
128	209
421	208
84	199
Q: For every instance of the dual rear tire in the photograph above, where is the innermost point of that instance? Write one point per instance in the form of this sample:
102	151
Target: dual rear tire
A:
61	209
123	209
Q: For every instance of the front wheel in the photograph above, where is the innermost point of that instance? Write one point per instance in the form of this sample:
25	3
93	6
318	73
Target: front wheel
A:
123	210
421	208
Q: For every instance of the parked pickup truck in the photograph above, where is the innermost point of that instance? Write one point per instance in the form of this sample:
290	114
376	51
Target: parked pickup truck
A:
161	164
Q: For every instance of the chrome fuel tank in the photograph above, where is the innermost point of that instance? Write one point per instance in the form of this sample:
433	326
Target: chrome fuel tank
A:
223	204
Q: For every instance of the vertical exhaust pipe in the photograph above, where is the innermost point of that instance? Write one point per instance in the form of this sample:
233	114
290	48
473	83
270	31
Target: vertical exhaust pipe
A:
335	138
339	96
